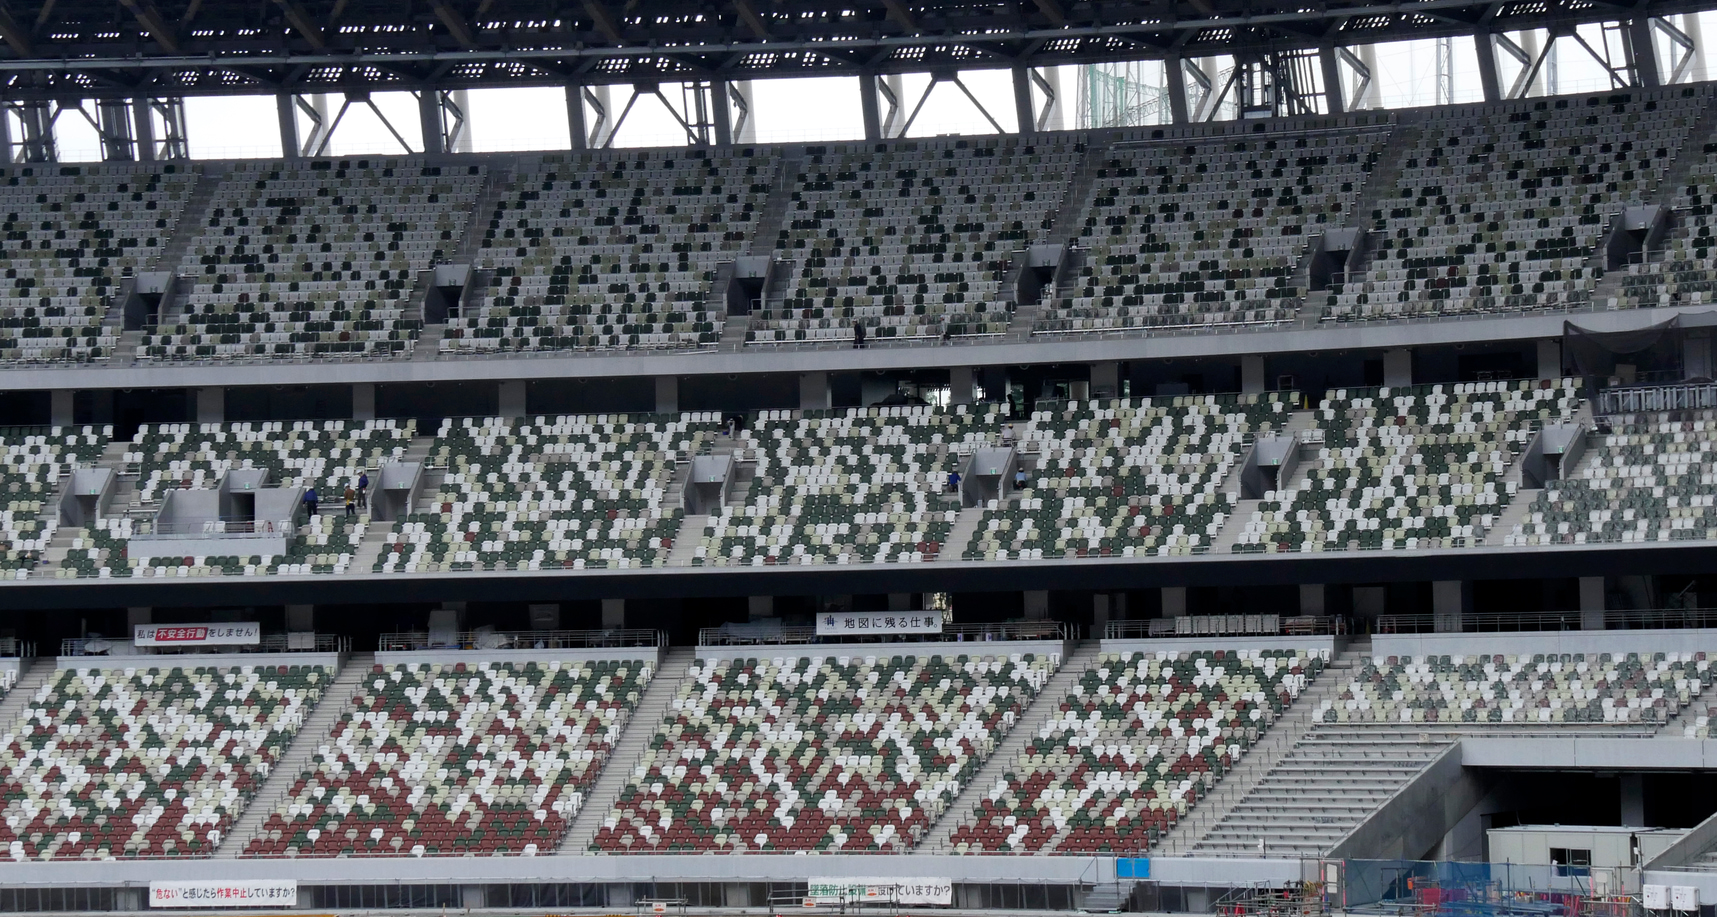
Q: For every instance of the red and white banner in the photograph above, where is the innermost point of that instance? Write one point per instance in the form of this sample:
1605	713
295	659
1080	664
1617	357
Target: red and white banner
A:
241	634
236	893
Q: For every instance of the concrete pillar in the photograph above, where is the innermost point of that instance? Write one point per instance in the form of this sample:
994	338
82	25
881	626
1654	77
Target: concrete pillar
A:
511	402
1252	381
870	106
576	128
60	411
814	392
900	601
1105	380
667	394
760	606
1175	80
143	129
429	121
286	108
1696	354
1550	359
613	614
1025	109
139	615
1398	367
962	385
1485	49
1101	614
301	618
721	111
1450	601
363	401
1312	599
1332	79
211	405
1591	603
1174	601
1644	51
1633	800
1036	605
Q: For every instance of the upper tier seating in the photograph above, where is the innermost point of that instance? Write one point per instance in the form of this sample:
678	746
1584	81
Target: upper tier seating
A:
1651	479
1209	232
1139	741
326	454
1537	688
1685	269
1407	468
316	259
151	761
848	486
1501	205
818	753
614	250
71	232
1126	477
911	238
457	759
576	492
31	470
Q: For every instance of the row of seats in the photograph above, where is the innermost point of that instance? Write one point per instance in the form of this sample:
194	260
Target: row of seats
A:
34	464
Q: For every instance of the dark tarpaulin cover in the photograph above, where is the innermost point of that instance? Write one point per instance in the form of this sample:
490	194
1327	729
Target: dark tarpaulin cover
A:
1596	353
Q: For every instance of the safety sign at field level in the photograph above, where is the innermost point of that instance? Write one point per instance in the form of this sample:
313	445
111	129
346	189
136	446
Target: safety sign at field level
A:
238	893
881	891
240	634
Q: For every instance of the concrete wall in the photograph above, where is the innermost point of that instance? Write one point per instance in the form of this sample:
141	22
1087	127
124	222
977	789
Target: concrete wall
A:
1569	641
1691	846
518	656
1594	753
1414	821
1054	650
152	660
1192	644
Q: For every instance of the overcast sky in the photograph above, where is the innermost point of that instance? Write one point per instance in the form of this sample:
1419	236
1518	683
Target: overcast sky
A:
799	110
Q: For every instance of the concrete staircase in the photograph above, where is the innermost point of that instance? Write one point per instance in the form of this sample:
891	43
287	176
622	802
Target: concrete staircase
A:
193	219
1513	514
1232	526
1275	745
38	674
336	700
1687	717
634	739
428	346
767	231
1047	704
687	539
497	184
965	526
369	550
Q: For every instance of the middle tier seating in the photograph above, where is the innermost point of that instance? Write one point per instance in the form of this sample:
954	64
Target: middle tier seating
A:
1126	477
1407	468
317	258
152	761
325	454
575	492
1571	688
457	759
1140	740
33	461
818	753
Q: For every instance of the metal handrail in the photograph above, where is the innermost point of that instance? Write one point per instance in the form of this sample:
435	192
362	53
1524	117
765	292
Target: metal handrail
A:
951	633
271	643
215	528
408	641
1224	625
1613	619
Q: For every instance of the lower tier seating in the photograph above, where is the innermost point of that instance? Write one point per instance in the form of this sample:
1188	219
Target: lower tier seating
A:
818	753
477	758
153	761
1141	739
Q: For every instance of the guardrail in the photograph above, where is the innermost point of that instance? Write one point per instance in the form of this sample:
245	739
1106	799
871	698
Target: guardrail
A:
215	528
1253	625
1657	398
951	633
1614	619
15	648
270	643
408	641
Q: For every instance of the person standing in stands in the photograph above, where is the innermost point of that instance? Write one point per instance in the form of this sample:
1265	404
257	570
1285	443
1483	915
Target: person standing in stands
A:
364	489
858	335
1019	477
954	481
351	501
310	500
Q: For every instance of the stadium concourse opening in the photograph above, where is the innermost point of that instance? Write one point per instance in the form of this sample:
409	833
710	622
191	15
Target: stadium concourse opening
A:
1273	504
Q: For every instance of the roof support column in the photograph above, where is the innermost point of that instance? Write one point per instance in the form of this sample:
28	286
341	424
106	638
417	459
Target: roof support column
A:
1642	52
429	120
871	106
1332	79
1175	72
142	116
286	106
1485	48
575	123
1023	104
721	111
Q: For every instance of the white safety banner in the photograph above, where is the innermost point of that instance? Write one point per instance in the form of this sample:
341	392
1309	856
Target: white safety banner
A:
882	891
239	634
234	893
837	623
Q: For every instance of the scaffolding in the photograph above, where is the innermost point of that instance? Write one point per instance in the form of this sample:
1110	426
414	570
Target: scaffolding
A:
1122	94
1404	888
